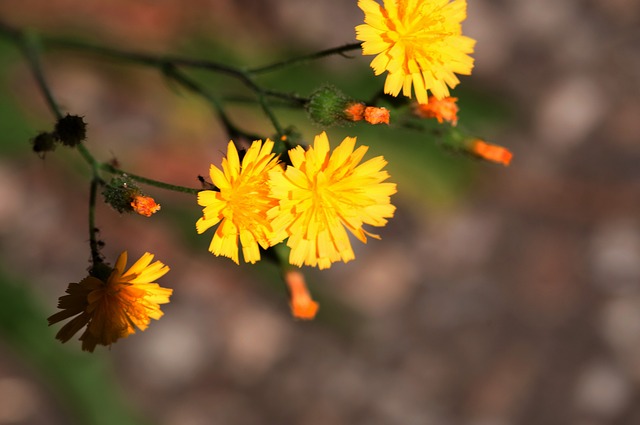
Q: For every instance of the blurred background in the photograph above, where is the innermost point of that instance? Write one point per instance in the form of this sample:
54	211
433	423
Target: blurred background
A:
496	296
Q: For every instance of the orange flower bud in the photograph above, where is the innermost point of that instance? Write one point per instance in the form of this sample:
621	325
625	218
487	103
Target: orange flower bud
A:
489	152
302	306
442	110
374	115
145	205
355	111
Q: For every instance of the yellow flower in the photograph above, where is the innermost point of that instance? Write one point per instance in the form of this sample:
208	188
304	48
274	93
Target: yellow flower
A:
321	194
110	308
241	204
419	42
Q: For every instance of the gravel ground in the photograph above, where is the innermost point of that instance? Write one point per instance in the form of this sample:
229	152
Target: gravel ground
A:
519	306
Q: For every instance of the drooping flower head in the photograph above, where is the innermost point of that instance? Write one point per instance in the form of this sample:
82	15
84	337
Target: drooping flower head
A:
112	307
443	110
302	305
321	194
419	43
242	202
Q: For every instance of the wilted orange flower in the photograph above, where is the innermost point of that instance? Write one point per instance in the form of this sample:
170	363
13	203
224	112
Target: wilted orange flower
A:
375	115
145	205
489	152
321	194
241	204
302	306
418	42
112	307
443	110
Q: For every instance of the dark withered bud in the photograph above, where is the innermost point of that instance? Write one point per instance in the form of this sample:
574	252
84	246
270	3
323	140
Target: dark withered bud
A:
71	130
43	143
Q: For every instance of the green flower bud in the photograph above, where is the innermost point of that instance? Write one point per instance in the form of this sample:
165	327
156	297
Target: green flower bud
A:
120	192
327	106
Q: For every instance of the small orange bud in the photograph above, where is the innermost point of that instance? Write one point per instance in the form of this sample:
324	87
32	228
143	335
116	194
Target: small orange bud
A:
355	111
489	152
375	115
442	110
302	306
145	205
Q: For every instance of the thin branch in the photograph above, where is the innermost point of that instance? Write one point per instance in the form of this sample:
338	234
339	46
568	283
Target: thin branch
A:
306	58
185	81
151	182
93	241
28	45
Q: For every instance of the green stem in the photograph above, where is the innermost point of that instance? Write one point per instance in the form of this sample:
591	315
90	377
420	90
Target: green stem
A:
88	157
182	79
269	113
93	241
306	58
141	58
113	170
29	46
290	97
160	62
169	63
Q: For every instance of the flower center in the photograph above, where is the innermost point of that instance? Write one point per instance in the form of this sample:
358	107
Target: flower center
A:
248	200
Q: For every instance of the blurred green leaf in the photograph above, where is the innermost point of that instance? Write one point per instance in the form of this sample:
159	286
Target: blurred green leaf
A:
82	382
15	130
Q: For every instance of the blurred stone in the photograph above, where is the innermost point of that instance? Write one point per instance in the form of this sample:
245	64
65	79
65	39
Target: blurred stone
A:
496	394
572	108
623	125
543	20
466	312
315	31
13	195
256	338
18	401
489	25
171	353
620	327
614	253
603	391
463	241
207	407
383	283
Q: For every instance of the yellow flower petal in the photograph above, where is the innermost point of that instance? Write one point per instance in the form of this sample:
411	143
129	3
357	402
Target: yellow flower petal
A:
324	193
242	202
418	42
